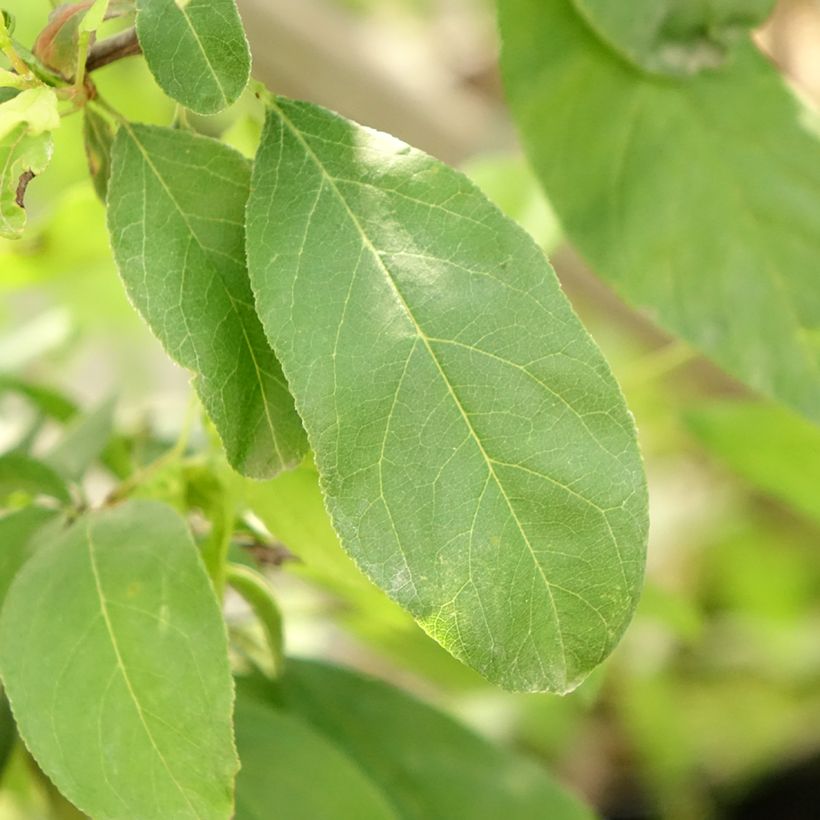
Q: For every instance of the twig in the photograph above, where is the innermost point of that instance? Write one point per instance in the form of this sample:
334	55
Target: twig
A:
112	49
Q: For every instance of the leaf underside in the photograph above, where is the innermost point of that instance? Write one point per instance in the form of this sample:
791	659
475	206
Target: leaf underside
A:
697	199
673	37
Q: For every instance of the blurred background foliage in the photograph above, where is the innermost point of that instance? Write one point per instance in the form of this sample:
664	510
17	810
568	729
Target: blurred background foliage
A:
710	707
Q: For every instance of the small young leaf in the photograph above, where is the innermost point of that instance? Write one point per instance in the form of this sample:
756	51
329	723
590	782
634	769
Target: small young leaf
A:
36	108
56	46
291	771
696	199
426	763
26	121
17	531
98	136
20	473
176	218
196	50
22	157
9	22
93	18
475	452
113	653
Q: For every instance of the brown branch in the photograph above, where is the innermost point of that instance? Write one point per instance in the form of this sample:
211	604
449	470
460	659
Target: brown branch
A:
112	49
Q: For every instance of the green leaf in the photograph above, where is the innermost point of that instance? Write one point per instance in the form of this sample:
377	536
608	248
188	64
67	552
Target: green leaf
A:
46	399
83	441
206	493
770	447
670	36
26	121
22	157
93	18
21	474
291	771
36	108
17	531
176	219
426	763
475	452
98	136
256	591
697	199
9	22
196	50
113	653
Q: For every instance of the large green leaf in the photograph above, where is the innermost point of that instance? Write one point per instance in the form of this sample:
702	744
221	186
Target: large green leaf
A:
475	453
697	199
176	218
196	50
427	764
113	653
674	36
291	771
769	446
